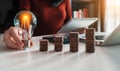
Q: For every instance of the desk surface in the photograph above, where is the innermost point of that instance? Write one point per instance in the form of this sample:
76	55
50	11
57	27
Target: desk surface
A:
104	59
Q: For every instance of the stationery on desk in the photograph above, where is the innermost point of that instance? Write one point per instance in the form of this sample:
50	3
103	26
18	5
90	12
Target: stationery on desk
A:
72	25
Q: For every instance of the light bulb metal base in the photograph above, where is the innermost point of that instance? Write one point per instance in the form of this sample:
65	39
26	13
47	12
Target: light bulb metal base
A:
26	44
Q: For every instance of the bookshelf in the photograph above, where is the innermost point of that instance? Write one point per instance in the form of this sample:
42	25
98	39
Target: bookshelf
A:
90	5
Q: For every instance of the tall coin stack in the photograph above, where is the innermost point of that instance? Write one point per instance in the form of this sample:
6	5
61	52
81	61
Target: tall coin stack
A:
90	40
44	45
74	41
58	43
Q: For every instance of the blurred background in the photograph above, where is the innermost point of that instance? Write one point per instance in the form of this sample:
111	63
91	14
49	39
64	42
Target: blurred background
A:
8	9
107	12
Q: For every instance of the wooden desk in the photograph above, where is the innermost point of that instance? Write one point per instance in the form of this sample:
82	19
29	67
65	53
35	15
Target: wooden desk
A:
104	59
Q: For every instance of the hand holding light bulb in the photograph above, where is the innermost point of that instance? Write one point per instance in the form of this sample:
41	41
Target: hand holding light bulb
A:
20	35
12	38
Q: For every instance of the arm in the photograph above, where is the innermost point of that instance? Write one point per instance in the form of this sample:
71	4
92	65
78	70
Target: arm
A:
25	5
68	11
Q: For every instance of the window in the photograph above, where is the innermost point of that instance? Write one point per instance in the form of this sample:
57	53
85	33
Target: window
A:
112	15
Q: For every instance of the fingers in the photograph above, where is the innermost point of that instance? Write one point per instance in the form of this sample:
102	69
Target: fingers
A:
80	30
9	43
13	32
31	43
12	39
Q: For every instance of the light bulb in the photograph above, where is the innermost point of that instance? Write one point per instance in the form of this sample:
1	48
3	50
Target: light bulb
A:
27	21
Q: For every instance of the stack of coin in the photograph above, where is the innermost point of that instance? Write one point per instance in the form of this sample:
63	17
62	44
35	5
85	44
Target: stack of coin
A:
90	40
74	41
58	43
44	45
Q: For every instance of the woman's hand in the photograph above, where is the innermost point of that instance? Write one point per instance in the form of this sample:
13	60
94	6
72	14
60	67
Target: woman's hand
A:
81	30
13	38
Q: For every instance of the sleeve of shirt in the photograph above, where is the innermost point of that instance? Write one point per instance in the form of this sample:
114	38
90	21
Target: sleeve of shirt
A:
25	4
68	11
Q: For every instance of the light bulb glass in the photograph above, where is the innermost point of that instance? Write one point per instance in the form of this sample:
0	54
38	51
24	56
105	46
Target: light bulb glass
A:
27	21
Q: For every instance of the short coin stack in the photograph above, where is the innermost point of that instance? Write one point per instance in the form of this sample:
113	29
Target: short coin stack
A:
44	45
58	43
90	40
74	41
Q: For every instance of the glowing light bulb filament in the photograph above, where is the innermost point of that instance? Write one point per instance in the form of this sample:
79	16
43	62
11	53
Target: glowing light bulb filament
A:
25	22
